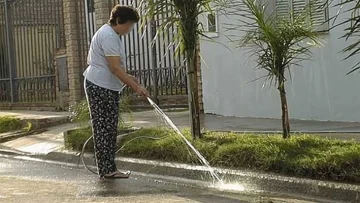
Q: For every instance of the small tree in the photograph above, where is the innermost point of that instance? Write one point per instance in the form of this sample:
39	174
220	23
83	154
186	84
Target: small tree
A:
279	43
184	15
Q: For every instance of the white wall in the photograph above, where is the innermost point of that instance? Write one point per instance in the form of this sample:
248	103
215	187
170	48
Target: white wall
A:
320	90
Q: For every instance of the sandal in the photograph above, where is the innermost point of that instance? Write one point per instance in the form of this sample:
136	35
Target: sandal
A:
117	175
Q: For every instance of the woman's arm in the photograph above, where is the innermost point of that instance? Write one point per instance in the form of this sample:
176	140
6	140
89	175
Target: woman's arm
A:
115	67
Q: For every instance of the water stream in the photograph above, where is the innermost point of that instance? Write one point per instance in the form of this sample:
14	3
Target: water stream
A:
173	126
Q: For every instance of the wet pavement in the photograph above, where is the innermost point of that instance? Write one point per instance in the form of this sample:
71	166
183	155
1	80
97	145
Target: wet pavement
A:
43	143
26	181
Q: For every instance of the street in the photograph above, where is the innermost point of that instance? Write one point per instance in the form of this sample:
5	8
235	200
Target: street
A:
26	181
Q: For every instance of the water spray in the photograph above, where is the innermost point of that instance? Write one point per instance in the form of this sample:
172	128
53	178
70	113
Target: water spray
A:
200	156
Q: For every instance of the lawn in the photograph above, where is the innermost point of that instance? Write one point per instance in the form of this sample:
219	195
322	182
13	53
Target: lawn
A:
302	155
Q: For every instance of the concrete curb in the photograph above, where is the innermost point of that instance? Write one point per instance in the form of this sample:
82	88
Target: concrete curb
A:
10	151
4	137
48	122
252	181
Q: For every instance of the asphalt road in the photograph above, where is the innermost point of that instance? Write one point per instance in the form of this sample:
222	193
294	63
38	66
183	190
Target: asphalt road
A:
28	181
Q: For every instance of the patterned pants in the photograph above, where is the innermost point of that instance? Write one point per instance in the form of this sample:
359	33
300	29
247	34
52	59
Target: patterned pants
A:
104	112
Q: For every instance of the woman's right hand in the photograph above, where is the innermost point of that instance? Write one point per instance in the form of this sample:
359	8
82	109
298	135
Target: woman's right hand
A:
141	91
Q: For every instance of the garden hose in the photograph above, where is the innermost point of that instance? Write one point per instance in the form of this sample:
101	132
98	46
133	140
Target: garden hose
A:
117	151
136	138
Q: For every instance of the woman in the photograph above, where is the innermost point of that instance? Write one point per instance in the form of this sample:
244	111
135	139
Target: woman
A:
104	79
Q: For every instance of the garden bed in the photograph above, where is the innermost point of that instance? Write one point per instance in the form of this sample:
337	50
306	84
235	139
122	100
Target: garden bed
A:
8	124
75	139
302	155
13	128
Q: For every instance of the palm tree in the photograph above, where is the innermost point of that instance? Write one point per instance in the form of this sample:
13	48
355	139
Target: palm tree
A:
278	43
184	15
352	30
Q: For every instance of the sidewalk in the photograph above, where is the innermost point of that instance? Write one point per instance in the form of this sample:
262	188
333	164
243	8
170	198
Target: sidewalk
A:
210	122
338	130
52	139
221	123
43	143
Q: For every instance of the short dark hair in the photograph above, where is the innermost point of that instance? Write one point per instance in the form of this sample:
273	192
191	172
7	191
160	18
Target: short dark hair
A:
122	14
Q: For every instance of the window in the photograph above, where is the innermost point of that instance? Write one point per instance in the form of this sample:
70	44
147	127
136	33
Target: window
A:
318	11
211	24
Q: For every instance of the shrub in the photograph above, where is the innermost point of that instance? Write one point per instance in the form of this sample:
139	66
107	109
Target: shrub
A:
75	139
10	124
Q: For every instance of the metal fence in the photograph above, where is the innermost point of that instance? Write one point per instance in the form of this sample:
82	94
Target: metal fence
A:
30	33
153	60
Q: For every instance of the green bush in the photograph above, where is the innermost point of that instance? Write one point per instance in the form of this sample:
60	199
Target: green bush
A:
10	124
301	155
75	139
80	112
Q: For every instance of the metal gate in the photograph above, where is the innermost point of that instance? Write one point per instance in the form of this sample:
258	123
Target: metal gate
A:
153	62
30	32
153	59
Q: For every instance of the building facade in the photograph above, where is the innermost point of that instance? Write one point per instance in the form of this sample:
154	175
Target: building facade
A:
318	90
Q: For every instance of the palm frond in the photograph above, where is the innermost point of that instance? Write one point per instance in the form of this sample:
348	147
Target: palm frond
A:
352	27
279	42
183	14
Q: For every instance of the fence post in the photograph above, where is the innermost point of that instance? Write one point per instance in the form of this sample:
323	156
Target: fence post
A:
154	61
102	12
10	50
71	28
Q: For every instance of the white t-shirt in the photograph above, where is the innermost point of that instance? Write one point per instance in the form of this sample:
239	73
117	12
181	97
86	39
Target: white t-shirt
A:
106	42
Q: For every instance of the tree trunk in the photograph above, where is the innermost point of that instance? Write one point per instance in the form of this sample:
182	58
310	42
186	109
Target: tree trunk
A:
193	98
284	110
189	38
